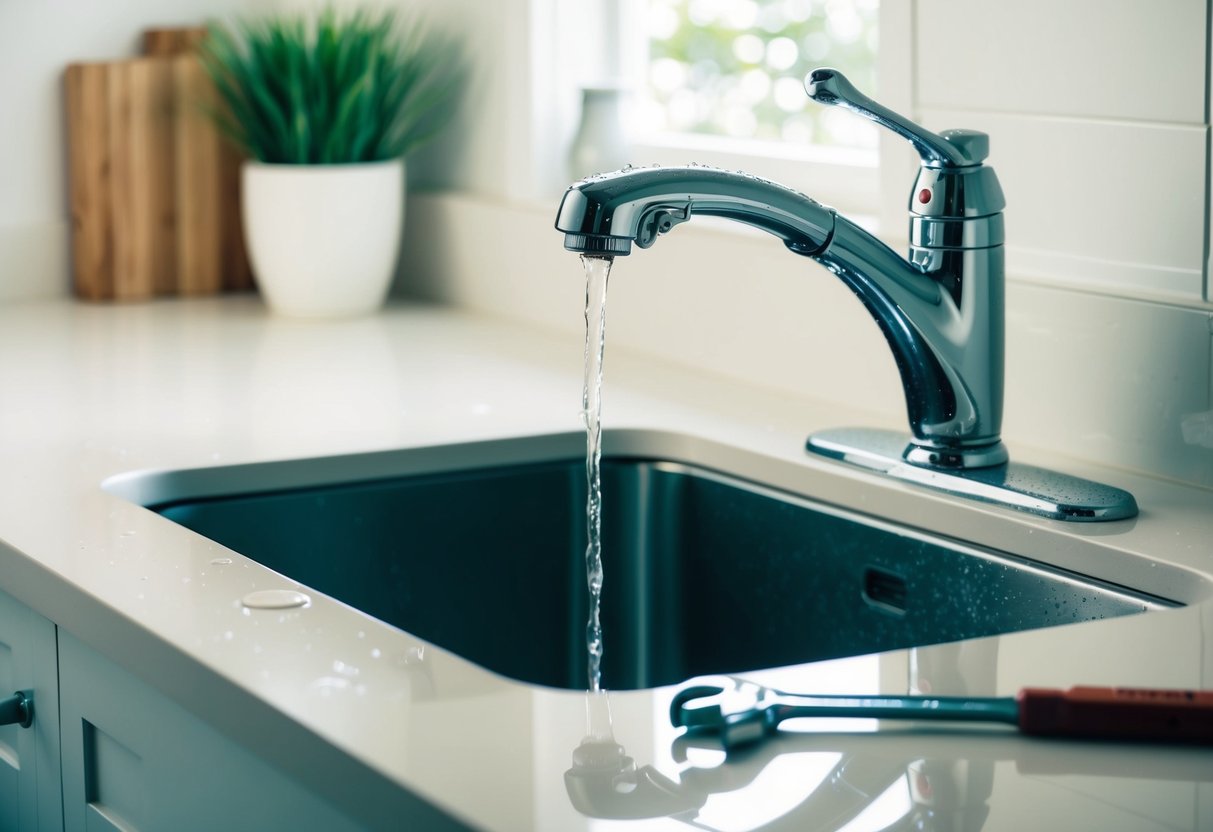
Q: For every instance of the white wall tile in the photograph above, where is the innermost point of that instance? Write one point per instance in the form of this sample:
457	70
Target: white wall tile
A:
1111	206
1120	59
1108	379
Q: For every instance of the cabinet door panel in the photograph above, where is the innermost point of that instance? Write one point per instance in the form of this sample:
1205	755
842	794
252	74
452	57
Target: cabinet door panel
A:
29	757
133	760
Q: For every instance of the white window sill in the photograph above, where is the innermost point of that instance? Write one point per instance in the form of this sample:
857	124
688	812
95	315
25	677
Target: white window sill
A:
843	178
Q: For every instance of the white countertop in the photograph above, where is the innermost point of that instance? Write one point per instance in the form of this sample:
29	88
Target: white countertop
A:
90	392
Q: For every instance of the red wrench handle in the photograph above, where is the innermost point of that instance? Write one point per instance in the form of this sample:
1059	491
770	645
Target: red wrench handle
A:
1126	713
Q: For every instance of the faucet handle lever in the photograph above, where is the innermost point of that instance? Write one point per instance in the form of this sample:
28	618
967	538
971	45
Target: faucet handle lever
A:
952	148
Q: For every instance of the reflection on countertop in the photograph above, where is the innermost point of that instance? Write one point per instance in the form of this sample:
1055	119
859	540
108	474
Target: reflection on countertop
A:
826	775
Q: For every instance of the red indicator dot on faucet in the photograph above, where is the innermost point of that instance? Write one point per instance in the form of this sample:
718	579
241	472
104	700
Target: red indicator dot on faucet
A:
924	196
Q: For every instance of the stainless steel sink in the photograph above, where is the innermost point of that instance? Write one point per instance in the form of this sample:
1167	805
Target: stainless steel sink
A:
705	573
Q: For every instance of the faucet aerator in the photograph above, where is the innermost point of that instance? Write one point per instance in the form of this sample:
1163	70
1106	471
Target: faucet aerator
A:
598	245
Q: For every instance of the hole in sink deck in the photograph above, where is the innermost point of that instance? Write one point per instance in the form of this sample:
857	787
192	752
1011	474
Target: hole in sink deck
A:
704	573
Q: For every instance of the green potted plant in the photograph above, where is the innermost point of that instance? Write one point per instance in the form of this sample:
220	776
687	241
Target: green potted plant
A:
326	109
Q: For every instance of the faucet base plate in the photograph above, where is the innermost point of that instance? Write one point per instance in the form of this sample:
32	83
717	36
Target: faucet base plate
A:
1014	485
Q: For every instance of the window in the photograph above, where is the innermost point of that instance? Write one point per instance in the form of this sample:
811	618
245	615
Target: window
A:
720	82
735	69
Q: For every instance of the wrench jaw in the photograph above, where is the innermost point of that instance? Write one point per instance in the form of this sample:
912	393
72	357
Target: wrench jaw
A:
739	712
698	705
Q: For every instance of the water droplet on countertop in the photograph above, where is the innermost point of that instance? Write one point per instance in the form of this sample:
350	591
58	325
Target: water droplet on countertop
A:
343	669
327	685
275	599
220	561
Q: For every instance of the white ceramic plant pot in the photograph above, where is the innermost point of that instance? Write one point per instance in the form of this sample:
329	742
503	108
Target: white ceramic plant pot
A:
324	239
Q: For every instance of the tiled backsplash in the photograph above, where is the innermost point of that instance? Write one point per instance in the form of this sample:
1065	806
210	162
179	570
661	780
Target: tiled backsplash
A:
1097	115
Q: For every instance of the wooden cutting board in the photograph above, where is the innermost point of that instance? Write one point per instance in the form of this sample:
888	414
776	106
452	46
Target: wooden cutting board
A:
208	174
120	137
154	189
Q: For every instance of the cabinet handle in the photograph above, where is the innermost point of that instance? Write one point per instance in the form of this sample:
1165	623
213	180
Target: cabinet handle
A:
18	708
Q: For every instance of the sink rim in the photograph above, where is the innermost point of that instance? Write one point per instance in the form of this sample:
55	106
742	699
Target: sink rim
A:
1075	548
819	578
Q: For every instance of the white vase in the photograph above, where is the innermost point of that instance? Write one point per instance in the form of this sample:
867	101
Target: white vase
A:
601	143
324	239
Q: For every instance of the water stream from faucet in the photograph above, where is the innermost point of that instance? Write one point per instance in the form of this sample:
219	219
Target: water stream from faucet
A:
597	270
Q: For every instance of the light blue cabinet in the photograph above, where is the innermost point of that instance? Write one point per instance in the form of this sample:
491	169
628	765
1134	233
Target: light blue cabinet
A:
135	760
29	757
107	752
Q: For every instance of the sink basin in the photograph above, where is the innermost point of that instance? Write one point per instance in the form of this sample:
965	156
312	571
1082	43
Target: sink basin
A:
705	572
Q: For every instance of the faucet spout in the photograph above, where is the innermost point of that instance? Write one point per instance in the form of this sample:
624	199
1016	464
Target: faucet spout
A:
603	215
941	313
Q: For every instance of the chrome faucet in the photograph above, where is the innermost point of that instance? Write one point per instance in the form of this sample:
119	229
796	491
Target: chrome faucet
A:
941	309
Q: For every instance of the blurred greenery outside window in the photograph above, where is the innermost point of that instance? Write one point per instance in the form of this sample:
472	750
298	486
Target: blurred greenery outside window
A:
734	70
